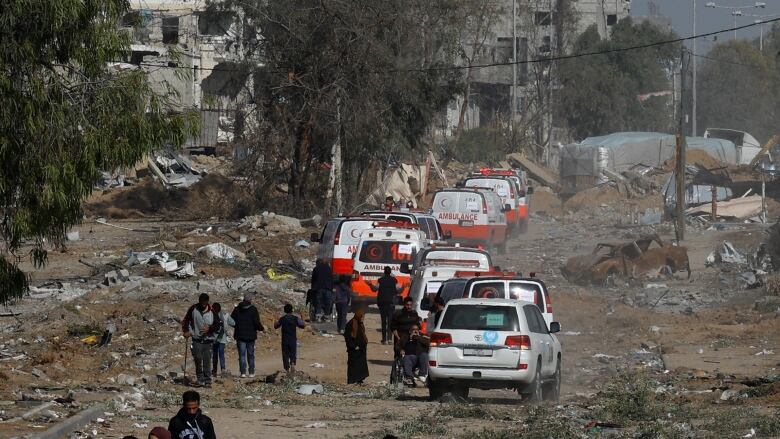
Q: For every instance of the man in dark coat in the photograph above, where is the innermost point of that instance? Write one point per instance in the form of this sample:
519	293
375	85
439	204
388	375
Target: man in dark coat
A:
387	288
322	284
404	318
289	324
247	320
190	422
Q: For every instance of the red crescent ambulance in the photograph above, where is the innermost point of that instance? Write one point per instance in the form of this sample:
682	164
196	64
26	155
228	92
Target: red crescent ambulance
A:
338	241
473	215
517	190
388	244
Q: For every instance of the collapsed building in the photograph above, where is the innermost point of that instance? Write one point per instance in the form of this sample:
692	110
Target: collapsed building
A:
194	52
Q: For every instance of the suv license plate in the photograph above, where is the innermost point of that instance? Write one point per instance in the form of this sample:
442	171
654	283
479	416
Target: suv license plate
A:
478	352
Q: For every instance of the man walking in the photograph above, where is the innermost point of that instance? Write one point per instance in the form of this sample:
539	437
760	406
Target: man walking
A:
388	288
247	320
289	324
322	284
190	422
199	323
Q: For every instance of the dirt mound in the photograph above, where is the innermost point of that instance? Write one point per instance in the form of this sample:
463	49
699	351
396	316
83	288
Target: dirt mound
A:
544	200
213	196
696	156
593	197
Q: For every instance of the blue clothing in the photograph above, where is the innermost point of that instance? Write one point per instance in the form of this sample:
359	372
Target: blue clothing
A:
342	294
217	353
246	354
289	353
289	324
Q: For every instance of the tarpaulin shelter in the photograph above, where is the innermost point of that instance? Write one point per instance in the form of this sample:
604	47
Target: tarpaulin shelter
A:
582	165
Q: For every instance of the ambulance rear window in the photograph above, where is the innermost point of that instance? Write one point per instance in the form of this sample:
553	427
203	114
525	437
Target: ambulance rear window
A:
386	252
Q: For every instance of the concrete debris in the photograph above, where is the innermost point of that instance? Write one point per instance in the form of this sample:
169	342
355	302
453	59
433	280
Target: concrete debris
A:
310	389
317	425
73	236
115	277
219	250
727	254
750	280
730	394
302	244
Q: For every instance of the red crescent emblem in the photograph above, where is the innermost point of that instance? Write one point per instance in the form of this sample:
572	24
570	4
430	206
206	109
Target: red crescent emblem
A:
444	202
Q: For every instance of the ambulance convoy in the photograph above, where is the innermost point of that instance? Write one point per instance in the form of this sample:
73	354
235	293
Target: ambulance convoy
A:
425	249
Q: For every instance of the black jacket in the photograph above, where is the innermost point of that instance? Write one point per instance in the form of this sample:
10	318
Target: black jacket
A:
388	289
247	320
185	427
418	346
322	277
403	320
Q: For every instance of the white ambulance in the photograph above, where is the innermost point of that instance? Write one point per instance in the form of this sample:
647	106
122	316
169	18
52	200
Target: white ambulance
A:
473	215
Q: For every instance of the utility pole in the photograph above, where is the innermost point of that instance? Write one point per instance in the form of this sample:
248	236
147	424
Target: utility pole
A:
680	161
513	92
550	90
693	59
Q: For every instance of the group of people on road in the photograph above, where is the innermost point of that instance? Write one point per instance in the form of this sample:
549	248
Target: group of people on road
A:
206	324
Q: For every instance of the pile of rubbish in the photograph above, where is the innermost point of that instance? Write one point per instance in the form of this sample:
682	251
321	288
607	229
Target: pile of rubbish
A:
162	259
276	224
753	269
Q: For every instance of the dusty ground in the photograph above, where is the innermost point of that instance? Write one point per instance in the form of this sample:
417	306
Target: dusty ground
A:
653	362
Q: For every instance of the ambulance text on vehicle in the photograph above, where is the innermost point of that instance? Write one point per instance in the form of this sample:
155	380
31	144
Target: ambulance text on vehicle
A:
382	247
472	215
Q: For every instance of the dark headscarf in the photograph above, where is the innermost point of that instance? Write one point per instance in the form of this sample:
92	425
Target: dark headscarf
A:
358	328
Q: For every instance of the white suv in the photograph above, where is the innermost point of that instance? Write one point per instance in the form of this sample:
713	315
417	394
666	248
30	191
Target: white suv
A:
494	344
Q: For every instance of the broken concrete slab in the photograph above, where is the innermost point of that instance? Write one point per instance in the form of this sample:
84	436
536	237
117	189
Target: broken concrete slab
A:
222	251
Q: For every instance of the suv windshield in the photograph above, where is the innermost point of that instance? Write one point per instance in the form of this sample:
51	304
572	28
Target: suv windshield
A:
386	252
480	318
452	289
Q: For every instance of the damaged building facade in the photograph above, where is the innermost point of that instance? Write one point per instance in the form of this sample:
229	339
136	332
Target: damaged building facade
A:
540	29
194	52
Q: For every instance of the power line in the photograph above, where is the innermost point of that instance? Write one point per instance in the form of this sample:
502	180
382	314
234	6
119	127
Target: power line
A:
530	61
724	61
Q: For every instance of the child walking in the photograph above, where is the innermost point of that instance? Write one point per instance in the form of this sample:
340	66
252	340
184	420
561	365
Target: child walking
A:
218	349
289	324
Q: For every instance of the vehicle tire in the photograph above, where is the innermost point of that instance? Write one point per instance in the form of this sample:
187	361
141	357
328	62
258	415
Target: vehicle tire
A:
461	391
552	390
435	390
533	392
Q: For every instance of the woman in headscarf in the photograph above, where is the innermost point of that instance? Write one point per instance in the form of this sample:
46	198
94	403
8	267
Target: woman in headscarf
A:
355	337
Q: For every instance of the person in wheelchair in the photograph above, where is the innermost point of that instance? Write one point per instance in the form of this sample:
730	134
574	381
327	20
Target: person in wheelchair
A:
412	349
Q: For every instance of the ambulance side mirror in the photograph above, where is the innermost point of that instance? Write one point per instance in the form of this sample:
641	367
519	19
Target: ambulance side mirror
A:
448	234
529	190
507	208
405	268
315	237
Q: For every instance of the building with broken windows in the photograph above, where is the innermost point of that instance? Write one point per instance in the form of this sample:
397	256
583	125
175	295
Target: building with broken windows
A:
193	52
525	31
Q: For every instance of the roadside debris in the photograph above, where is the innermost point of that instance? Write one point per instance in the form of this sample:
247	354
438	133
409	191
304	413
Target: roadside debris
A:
632	259
219	250
310	389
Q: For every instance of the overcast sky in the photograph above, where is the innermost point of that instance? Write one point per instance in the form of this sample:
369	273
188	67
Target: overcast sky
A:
709	19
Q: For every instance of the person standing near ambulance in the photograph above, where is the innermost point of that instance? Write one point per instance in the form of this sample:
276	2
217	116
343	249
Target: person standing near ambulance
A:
387	288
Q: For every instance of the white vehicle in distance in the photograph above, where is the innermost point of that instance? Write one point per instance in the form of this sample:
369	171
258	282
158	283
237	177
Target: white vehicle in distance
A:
494	344
427	222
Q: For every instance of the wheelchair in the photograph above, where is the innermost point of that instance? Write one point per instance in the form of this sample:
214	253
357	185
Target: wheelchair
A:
397	372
